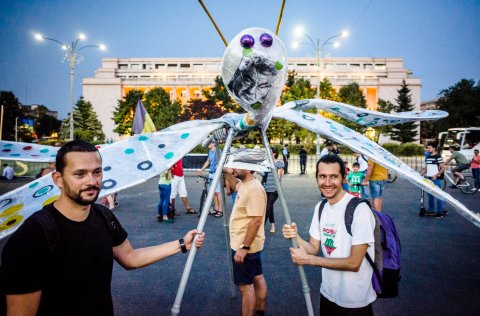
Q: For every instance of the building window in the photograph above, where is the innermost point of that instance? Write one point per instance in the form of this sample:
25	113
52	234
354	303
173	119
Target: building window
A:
184	65
355	66
328	66
197	66
367	66
341	66
380	67
157	66
122	66
147	66
172	65
302	65
136	66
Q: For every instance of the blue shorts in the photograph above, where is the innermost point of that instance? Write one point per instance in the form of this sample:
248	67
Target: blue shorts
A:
376	188
252	266
211	176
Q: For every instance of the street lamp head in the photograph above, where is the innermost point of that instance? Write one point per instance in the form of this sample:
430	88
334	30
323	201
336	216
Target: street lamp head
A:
82	36
102	47
299	31
64	47
344	34
336	44
38	37
295	45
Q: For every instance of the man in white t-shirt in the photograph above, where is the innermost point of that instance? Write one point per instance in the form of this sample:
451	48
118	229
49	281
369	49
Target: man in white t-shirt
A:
347	276
8	172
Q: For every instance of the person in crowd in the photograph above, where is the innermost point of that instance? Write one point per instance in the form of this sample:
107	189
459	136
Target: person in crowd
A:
363	161
179	187
462	164
377	179
433	170
271	189
8	172
475	165
302	153
60	260
327	149
247	236
286	157
165	213
346	274
212	162
355	180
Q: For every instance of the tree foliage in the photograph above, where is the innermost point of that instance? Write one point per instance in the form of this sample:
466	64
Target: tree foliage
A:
123	112
295	89
462	102
406	132
216	103
86	125
384	107
161	109
220	97
350	94
11	111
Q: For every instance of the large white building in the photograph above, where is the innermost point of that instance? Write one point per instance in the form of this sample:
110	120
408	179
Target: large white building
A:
184	78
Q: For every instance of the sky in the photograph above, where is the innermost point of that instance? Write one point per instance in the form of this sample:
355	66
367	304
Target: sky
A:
438	40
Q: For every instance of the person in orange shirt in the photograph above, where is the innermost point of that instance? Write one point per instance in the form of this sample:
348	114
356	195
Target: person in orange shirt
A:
376	177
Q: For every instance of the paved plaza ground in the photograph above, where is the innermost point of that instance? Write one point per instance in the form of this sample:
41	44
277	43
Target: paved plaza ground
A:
440	257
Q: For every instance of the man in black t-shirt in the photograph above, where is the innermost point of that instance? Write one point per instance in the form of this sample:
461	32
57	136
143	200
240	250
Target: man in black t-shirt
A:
59	262
434	169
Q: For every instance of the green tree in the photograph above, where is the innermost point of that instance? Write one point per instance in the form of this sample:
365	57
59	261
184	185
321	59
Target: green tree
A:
161	109
406	132
295	89
86	125
351	94
46	125
123	113
11	111
462	102
219	95
384	107
197	109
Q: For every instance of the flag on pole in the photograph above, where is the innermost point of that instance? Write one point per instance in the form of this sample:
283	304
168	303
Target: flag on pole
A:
142	123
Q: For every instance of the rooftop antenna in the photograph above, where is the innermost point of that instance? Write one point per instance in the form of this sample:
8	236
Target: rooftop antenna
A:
214	24
280	17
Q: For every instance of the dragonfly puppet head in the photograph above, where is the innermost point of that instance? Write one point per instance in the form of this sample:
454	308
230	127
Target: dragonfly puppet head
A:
254	70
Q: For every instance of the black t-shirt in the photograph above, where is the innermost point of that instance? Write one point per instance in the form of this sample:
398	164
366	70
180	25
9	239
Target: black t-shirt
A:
75	279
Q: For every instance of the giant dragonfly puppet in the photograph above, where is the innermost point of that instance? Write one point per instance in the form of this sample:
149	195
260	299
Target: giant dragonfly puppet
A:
254	69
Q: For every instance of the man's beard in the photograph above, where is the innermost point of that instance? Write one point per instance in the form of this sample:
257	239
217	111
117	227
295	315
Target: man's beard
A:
77	196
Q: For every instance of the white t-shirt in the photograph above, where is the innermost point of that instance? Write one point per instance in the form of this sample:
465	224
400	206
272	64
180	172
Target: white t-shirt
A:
324	152
345	288
8	173
363	163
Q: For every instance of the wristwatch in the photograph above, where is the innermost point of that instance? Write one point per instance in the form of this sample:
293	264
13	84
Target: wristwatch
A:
245	247
182	245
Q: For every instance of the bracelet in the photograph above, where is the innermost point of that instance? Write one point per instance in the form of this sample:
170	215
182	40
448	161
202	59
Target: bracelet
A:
182	245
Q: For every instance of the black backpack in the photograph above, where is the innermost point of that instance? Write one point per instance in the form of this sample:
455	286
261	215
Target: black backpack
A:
50	228
386	267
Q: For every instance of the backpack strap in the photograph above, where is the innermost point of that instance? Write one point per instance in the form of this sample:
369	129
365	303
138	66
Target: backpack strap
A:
320	209
264	178
107	216
350	210
45	218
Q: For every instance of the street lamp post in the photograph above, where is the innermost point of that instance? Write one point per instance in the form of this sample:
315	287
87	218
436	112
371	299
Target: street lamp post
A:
318	52
72	56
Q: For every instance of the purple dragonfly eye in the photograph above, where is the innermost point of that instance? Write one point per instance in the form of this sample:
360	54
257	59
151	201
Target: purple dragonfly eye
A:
247	41
266	40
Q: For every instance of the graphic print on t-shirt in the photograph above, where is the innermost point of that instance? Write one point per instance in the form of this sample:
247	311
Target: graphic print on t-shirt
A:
329	232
